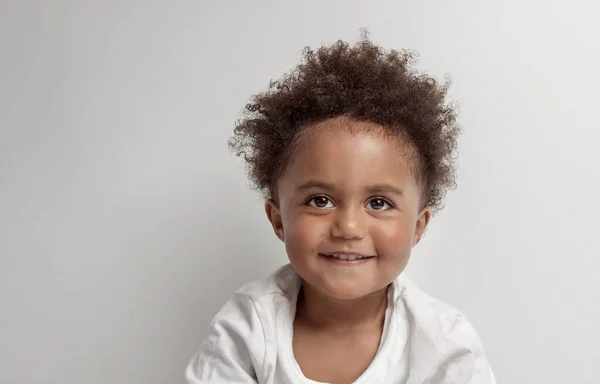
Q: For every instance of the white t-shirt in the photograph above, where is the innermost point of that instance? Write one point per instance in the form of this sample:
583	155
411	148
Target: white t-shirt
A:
423	339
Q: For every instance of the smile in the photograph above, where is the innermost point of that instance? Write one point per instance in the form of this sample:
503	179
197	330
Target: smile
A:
346	256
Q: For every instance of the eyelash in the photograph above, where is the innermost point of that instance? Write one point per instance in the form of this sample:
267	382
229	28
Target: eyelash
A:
310	198
384	199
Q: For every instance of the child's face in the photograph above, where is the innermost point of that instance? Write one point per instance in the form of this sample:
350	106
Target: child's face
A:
348	192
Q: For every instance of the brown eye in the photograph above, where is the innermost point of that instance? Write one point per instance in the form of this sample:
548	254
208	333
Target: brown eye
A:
379	204
320	202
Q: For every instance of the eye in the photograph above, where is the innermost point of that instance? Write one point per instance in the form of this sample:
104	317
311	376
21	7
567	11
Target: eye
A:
379	204
320	202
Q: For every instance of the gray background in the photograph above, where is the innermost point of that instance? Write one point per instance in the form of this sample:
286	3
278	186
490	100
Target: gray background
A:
125	223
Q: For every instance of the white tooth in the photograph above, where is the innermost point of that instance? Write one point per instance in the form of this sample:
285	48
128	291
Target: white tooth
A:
358	257
351	257
343	257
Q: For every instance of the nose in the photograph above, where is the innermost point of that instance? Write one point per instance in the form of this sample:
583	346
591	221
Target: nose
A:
349	224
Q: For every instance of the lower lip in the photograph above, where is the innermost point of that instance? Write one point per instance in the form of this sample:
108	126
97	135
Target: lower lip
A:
335	260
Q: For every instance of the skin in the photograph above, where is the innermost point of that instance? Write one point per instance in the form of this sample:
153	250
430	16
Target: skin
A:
348	188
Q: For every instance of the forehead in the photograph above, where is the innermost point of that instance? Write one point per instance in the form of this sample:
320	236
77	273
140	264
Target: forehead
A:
350	154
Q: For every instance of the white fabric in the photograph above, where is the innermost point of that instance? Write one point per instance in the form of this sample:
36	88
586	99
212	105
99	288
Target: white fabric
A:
424	341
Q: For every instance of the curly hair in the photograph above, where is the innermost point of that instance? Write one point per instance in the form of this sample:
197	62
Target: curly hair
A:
365	83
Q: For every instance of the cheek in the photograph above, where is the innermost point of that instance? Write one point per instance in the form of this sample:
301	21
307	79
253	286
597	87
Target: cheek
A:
393	238
304	233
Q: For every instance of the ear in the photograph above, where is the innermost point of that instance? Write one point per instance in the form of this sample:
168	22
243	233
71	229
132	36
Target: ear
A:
421	224
274	215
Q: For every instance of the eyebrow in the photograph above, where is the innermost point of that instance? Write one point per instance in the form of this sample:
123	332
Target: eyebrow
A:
384	188
371	189
316	184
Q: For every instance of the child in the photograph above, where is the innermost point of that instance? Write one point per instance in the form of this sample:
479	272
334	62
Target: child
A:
354	151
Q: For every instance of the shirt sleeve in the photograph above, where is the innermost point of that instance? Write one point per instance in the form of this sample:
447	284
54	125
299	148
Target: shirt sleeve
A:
465	362
234	348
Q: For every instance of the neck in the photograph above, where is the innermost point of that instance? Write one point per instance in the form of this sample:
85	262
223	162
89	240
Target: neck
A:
322	311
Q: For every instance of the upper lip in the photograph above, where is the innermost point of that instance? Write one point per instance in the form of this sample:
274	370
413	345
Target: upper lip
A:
347	253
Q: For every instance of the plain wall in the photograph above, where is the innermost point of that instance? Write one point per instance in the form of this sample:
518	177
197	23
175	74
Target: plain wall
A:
125	222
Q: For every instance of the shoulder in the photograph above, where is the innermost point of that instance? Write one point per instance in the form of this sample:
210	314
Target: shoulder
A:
444	344
258	301
425	309
237	340
253	306
284	281
244	307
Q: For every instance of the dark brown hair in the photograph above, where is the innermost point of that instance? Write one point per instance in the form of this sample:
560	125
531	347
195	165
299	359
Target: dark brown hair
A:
363	82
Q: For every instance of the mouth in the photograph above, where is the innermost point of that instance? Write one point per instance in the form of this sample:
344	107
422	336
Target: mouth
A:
346	258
